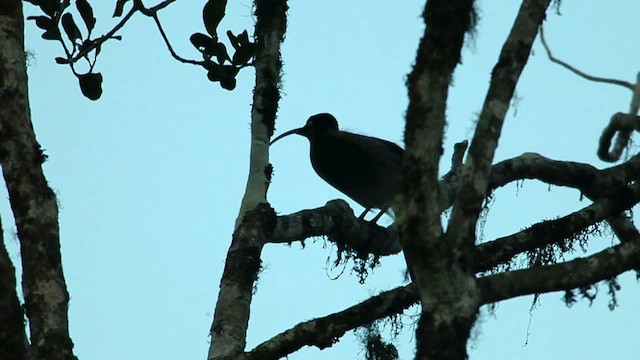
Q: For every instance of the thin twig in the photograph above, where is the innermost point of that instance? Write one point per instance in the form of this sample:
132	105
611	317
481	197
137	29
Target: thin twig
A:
626	84
154	15
155	9
99	41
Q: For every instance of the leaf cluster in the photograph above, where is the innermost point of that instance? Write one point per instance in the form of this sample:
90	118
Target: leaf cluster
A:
219	65
56	20
55	15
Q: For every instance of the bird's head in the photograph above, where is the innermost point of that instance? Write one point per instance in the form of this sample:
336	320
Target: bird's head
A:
316	125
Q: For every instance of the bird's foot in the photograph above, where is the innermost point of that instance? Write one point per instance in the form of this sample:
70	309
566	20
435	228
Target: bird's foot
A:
361	217
378	216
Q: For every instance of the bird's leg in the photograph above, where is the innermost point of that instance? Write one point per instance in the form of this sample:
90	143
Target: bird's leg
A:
379	215
366	210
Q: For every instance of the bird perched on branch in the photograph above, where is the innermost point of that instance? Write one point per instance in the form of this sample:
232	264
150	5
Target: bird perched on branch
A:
366	169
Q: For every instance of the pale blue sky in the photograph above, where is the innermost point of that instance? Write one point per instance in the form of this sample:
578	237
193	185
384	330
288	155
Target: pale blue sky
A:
150	177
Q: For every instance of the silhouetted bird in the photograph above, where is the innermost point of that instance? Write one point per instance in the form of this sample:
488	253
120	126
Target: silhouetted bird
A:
366	169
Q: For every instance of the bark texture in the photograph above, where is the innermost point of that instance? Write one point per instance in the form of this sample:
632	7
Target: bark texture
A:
33	203
580	272
13	340
337	221
271	23
443	263
324	332
231	318
445	287
257	220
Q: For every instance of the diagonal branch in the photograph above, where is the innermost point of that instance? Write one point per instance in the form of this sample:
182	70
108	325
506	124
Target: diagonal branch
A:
97	43
568	275
474	179
324	332
156	19
587	179
500	251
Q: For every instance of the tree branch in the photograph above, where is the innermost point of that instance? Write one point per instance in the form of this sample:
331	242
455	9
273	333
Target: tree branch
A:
587	179
568	275
337	221
154	15
102	39
138	6
318	333
160	6
502	250
623	132
256	220
623	125
474	180
152	12
430	259
324	332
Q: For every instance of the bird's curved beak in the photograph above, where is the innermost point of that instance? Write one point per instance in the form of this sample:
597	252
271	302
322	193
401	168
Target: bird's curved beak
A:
304	131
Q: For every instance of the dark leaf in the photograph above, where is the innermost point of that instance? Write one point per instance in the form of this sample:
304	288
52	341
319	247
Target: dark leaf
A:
49	7
243	54
212	14
233	39
228	83
91	85
61	60
43	22
119	8
243	38
70	27
220	51
218	72
210	47
51	31
85	10
53	34
201	41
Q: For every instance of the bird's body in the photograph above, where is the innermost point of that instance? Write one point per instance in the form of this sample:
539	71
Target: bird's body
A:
366	169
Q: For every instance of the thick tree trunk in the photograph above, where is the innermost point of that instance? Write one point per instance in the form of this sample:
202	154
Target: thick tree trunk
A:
33	203
443	263
445	280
